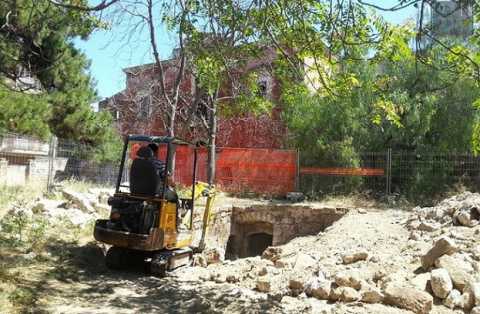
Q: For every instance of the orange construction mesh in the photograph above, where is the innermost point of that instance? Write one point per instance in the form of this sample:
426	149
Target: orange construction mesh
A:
262	171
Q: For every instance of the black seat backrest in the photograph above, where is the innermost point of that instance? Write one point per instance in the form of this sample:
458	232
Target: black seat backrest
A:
144	179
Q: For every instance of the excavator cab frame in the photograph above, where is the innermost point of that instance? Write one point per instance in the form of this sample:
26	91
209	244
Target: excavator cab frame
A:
161	244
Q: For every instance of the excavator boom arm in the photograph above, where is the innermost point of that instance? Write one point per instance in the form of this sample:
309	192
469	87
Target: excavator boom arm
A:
203	189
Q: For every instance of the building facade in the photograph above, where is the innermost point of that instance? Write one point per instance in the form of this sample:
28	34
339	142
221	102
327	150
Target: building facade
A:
139	108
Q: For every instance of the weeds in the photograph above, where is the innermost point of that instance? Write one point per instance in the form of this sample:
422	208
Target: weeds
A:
10	194
23	232
22	297
32	246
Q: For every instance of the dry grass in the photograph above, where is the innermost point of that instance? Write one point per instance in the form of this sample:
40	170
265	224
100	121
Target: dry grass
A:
354	200
32	247
362	201
10	194
80	185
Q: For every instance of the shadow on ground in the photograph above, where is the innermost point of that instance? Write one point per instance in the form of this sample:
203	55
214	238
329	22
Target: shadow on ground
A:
79	282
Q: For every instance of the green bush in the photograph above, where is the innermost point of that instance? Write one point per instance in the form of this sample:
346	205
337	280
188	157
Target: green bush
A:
22	231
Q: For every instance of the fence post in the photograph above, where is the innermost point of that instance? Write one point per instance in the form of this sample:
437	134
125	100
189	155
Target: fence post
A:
388	171
125	169
52	155
297	172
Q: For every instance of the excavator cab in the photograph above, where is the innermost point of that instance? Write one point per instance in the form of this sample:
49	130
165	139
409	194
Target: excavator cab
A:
149	222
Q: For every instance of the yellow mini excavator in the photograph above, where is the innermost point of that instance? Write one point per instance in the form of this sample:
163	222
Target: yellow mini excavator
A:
148	222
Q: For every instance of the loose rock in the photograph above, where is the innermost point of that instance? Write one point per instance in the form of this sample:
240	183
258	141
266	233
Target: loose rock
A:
232	278
263	285
464	217
428	227
346	294
475	290
319	288
304	262
297	282
421	281
371	294
453	300
468	301
456	269
79	200
348	279
441	283
263	271
354	257
441	247
475	310
417	301
272	253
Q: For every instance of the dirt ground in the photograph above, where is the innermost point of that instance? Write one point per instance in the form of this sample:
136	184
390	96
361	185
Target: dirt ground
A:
82	284
71	277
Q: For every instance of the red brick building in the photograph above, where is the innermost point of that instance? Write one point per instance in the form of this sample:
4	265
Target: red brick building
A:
137	109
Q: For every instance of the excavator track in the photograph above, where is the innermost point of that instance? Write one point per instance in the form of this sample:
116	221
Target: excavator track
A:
116	258
167	260
119	258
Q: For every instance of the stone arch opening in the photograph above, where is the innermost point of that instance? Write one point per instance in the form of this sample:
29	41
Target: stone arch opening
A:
254	229
250	239
257	243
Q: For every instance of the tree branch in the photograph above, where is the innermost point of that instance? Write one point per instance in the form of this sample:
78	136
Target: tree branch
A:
99	7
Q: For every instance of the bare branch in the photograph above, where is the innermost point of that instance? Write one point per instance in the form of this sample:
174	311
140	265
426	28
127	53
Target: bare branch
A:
99	7
156	54
399	6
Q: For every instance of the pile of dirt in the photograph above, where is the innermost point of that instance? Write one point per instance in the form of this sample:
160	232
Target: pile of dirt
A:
368	262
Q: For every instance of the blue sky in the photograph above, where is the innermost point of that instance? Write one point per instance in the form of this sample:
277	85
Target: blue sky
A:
110	52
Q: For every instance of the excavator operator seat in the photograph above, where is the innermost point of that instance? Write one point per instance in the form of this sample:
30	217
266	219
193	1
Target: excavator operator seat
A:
144	179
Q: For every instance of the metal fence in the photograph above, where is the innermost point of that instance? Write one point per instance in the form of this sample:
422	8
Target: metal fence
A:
432	173
28	160
81	164
409	174
367	173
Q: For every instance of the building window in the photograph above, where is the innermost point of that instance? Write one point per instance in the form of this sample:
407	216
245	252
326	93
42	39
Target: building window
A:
262	88
116	114
145	103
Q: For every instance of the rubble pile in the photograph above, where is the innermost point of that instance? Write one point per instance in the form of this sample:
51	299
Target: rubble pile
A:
426	260
423	261
454	258
79	208
459	210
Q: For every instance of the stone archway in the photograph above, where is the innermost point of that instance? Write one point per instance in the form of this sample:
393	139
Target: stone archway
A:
257	243
253	229
250	239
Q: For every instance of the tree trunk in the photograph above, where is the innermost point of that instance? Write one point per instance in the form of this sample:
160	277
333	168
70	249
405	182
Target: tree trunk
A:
171	133
212	137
